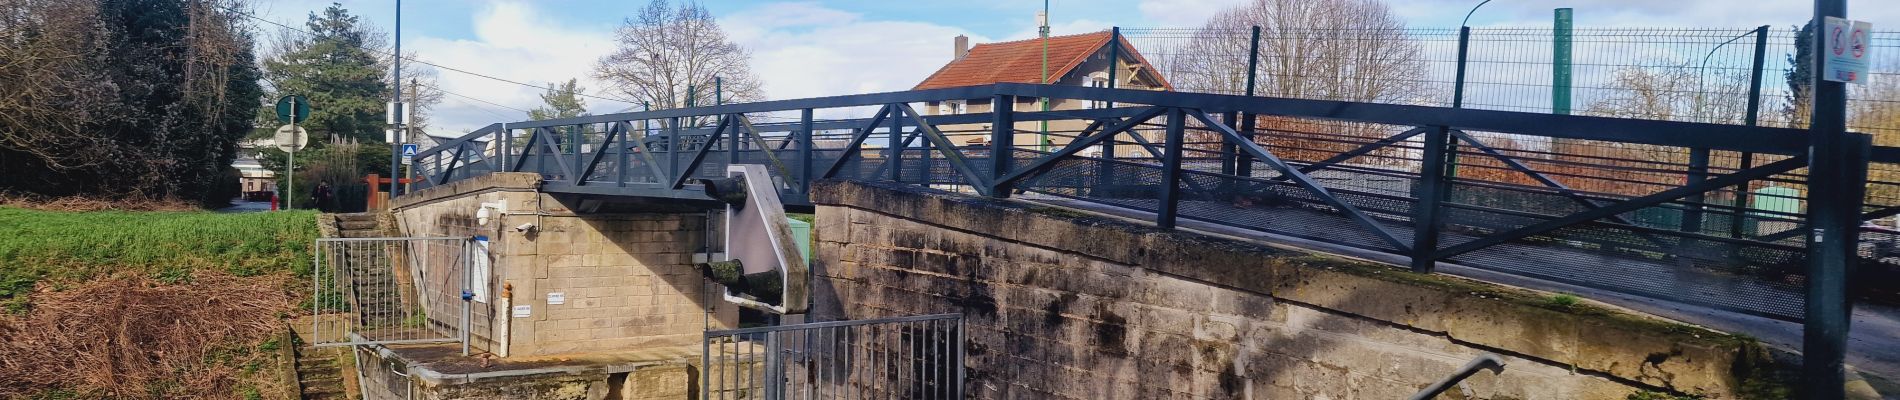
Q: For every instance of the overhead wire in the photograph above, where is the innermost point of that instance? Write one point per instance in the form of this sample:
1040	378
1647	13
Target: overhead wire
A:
425	62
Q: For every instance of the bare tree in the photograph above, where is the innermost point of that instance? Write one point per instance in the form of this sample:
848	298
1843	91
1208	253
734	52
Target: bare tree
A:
1351	50
421	88
46	92
1673	93
1678	91
1874	109
1348	50
663	51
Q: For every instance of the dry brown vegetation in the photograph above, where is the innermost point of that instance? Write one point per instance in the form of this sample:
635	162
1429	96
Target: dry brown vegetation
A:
132	338
87	203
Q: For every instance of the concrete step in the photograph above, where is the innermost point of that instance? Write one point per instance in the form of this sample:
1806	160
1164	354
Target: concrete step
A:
319	373
356	225
359	234
322	383
314	359
325	394
356	217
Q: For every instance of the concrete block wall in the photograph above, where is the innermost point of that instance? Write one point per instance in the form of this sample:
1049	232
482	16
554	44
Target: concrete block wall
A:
1062	305
627	278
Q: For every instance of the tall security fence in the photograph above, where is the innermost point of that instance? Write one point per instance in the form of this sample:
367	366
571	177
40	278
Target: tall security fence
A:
390	291
1740	76
917	357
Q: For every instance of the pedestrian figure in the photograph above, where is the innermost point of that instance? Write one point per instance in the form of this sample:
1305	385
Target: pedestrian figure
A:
323	197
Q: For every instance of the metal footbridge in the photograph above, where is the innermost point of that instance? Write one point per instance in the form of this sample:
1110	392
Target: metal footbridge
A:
1707	214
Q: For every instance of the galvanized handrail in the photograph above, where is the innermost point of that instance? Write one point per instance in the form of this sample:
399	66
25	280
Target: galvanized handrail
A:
920	357
1483	361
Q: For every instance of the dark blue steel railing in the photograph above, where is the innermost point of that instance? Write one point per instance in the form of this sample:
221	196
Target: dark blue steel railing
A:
1405	180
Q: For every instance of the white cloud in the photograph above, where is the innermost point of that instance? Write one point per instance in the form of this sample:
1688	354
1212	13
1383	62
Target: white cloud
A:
802	50
512	41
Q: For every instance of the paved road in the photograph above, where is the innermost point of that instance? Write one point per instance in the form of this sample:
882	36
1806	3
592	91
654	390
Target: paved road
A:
1873	342
246	206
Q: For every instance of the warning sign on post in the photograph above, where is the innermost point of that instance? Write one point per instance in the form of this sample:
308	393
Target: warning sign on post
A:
1844	55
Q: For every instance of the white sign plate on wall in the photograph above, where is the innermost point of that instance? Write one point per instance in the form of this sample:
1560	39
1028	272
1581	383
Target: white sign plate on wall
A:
1844	58
557	298
523	311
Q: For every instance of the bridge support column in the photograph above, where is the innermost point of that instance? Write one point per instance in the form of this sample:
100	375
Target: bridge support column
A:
894	152
1434	184
1170	193
804	150
1002	143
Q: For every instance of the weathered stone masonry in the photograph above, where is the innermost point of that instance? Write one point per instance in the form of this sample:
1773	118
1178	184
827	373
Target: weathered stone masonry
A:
1064	305
627	278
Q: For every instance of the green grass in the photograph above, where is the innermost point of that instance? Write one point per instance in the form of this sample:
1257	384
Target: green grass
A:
53	247
1562	301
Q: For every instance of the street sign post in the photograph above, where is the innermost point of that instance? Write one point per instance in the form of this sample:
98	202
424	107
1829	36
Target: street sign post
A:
290	138
1845	58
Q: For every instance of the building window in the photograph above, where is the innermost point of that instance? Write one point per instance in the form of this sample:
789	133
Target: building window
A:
1098	82
950	107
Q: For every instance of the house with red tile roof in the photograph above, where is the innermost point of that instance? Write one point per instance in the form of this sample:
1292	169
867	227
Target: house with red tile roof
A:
1081	60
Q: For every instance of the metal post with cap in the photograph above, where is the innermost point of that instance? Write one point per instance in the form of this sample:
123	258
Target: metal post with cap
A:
290	168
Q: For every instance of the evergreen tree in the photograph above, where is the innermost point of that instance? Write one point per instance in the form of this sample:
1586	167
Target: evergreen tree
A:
335	66
562	101
173	86
1800	76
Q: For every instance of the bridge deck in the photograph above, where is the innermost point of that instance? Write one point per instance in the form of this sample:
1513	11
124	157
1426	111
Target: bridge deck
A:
1706	214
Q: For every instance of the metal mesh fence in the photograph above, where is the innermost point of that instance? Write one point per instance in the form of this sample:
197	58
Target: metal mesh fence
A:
1677	74
907	357
1738	76
390	291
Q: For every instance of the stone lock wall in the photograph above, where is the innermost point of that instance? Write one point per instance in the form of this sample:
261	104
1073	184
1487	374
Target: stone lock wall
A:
1064	305
626	278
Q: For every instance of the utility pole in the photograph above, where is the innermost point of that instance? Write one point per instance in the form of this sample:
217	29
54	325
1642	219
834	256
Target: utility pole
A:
1837	174
396	110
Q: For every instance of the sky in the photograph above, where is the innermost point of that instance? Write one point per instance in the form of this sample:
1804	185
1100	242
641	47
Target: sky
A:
834	47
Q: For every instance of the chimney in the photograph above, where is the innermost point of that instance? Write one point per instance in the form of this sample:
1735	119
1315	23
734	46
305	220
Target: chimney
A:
963	47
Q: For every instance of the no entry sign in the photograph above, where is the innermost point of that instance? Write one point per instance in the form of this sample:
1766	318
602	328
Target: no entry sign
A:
1844	55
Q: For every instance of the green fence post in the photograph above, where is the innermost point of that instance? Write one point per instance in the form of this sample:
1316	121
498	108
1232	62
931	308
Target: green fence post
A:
1560	63
1458	81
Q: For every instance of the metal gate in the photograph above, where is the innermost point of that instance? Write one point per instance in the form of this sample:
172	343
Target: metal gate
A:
391	291
918	357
